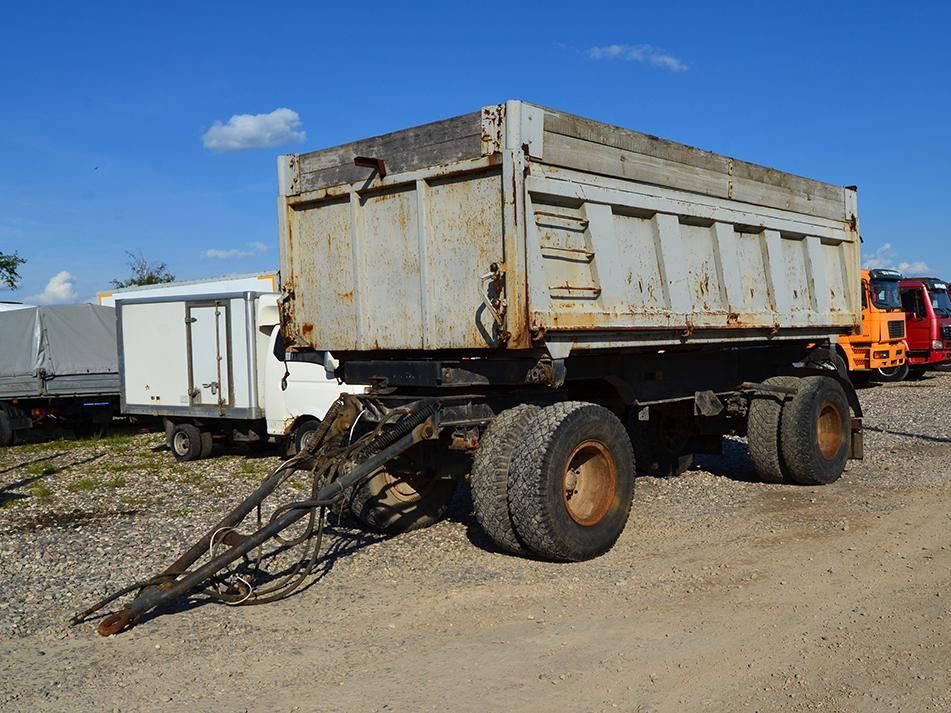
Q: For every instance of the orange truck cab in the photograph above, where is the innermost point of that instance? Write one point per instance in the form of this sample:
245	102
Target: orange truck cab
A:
880	345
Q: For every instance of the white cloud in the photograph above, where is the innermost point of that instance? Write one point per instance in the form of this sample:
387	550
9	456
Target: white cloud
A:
638	53
255	131
255	248
59	290
886	257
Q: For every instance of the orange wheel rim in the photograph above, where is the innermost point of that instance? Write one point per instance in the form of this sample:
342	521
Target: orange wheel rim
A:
829	430
589	485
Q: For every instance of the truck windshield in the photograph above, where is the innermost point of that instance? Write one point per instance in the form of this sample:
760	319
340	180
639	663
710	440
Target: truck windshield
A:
885	294
940	302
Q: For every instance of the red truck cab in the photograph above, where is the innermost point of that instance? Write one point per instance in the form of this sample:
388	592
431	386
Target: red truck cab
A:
927	308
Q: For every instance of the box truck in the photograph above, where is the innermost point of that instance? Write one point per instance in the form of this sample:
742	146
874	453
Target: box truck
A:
57	366
212	367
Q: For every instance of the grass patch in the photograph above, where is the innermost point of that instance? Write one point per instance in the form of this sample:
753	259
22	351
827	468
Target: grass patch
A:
193	477
123	467
180	512
116	482
41	493
84	485
40	469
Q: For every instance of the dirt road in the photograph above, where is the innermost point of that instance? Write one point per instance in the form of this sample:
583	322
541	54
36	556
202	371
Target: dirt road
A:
722	595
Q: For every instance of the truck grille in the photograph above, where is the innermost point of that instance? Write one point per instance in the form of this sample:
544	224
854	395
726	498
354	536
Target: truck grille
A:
946	333
896	329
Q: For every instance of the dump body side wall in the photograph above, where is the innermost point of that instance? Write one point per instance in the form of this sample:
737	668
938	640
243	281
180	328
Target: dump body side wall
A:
603	238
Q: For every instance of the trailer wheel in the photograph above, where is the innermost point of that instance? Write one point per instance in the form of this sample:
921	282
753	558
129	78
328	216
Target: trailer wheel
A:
572	482
762	430
6	429
186	442
892	373
409	493
815	429
490	476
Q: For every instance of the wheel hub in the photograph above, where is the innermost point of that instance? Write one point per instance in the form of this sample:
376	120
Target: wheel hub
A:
829	430
589	483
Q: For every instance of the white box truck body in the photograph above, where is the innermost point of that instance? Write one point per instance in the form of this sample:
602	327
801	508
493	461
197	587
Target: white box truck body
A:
211	365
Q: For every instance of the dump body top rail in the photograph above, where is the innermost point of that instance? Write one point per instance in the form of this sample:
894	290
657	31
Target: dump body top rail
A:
519	227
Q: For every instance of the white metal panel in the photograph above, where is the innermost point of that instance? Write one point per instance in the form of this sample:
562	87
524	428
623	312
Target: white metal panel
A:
209	355
154	351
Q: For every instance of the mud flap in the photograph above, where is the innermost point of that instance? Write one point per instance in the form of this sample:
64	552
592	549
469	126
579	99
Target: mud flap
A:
857	443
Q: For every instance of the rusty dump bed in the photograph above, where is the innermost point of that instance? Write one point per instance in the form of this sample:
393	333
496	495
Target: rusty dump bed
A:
518	227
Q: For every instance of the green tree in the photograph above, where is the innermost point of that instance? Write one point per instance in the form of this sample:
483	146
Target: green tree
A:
144	273
9	275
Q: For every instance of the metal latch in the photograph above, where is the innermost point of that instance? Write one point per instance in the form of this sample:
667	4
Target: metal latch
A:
213	386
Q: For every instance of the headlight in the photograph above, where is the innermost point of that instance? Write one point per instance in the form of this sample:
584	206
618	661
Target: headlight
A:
937	344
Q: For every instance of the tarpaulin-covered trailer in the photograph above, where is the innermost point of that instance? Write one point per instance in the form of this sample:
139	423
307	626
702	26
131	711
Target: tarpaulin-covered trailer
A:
56	361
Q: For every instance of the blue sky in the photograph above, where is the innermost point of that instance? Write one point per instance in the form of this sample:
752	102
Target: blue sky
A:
103	109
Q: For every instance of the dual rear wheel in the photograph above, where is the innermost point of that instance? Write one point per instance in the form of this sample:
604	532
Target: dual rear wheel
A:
800	430
556	482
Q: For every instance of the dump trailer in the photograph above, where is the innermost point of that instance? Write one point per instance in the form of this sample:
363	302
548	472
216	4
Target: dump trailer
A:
58	366
582	301
550	306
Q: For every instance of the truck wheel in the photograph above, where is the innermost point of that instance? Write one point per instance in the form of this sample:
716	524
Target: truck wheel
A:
892	373
186	442
762	430
206	445
490	476
815	429
916	372
6	429
409	493
572	482
841	365
303	433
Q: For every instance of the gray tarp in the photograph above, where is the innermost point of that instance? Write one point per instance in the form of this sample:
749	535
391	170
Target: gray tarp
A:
58	341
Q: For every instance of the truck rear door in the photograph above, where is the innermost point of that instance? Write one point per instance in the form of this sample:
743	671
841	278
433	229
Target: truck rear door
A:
209	358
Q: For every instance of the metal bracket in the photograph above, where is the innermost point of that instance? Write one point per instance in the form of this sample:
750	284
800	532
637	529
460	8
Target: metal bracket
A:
369	162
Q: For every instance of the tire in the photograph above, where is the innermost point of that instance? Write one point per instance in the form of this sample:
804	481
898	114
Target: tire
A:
892	373
207	444
916	372
841	366
302	434
815	430
409	493
6	429
763	430
490	476
185	441
572	450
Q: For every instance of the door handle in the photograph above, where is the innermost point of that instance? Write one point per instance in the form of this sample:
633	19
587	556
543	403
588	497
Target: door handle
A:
213	386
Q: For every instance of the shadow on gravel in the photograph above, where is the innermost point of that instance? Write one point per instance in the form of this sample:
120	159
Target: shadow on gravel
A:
340	541
734	463
905	434
6	492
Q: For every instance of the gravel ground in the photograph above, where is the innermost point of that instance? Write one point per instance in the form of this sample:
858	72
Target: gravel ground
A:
78	519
